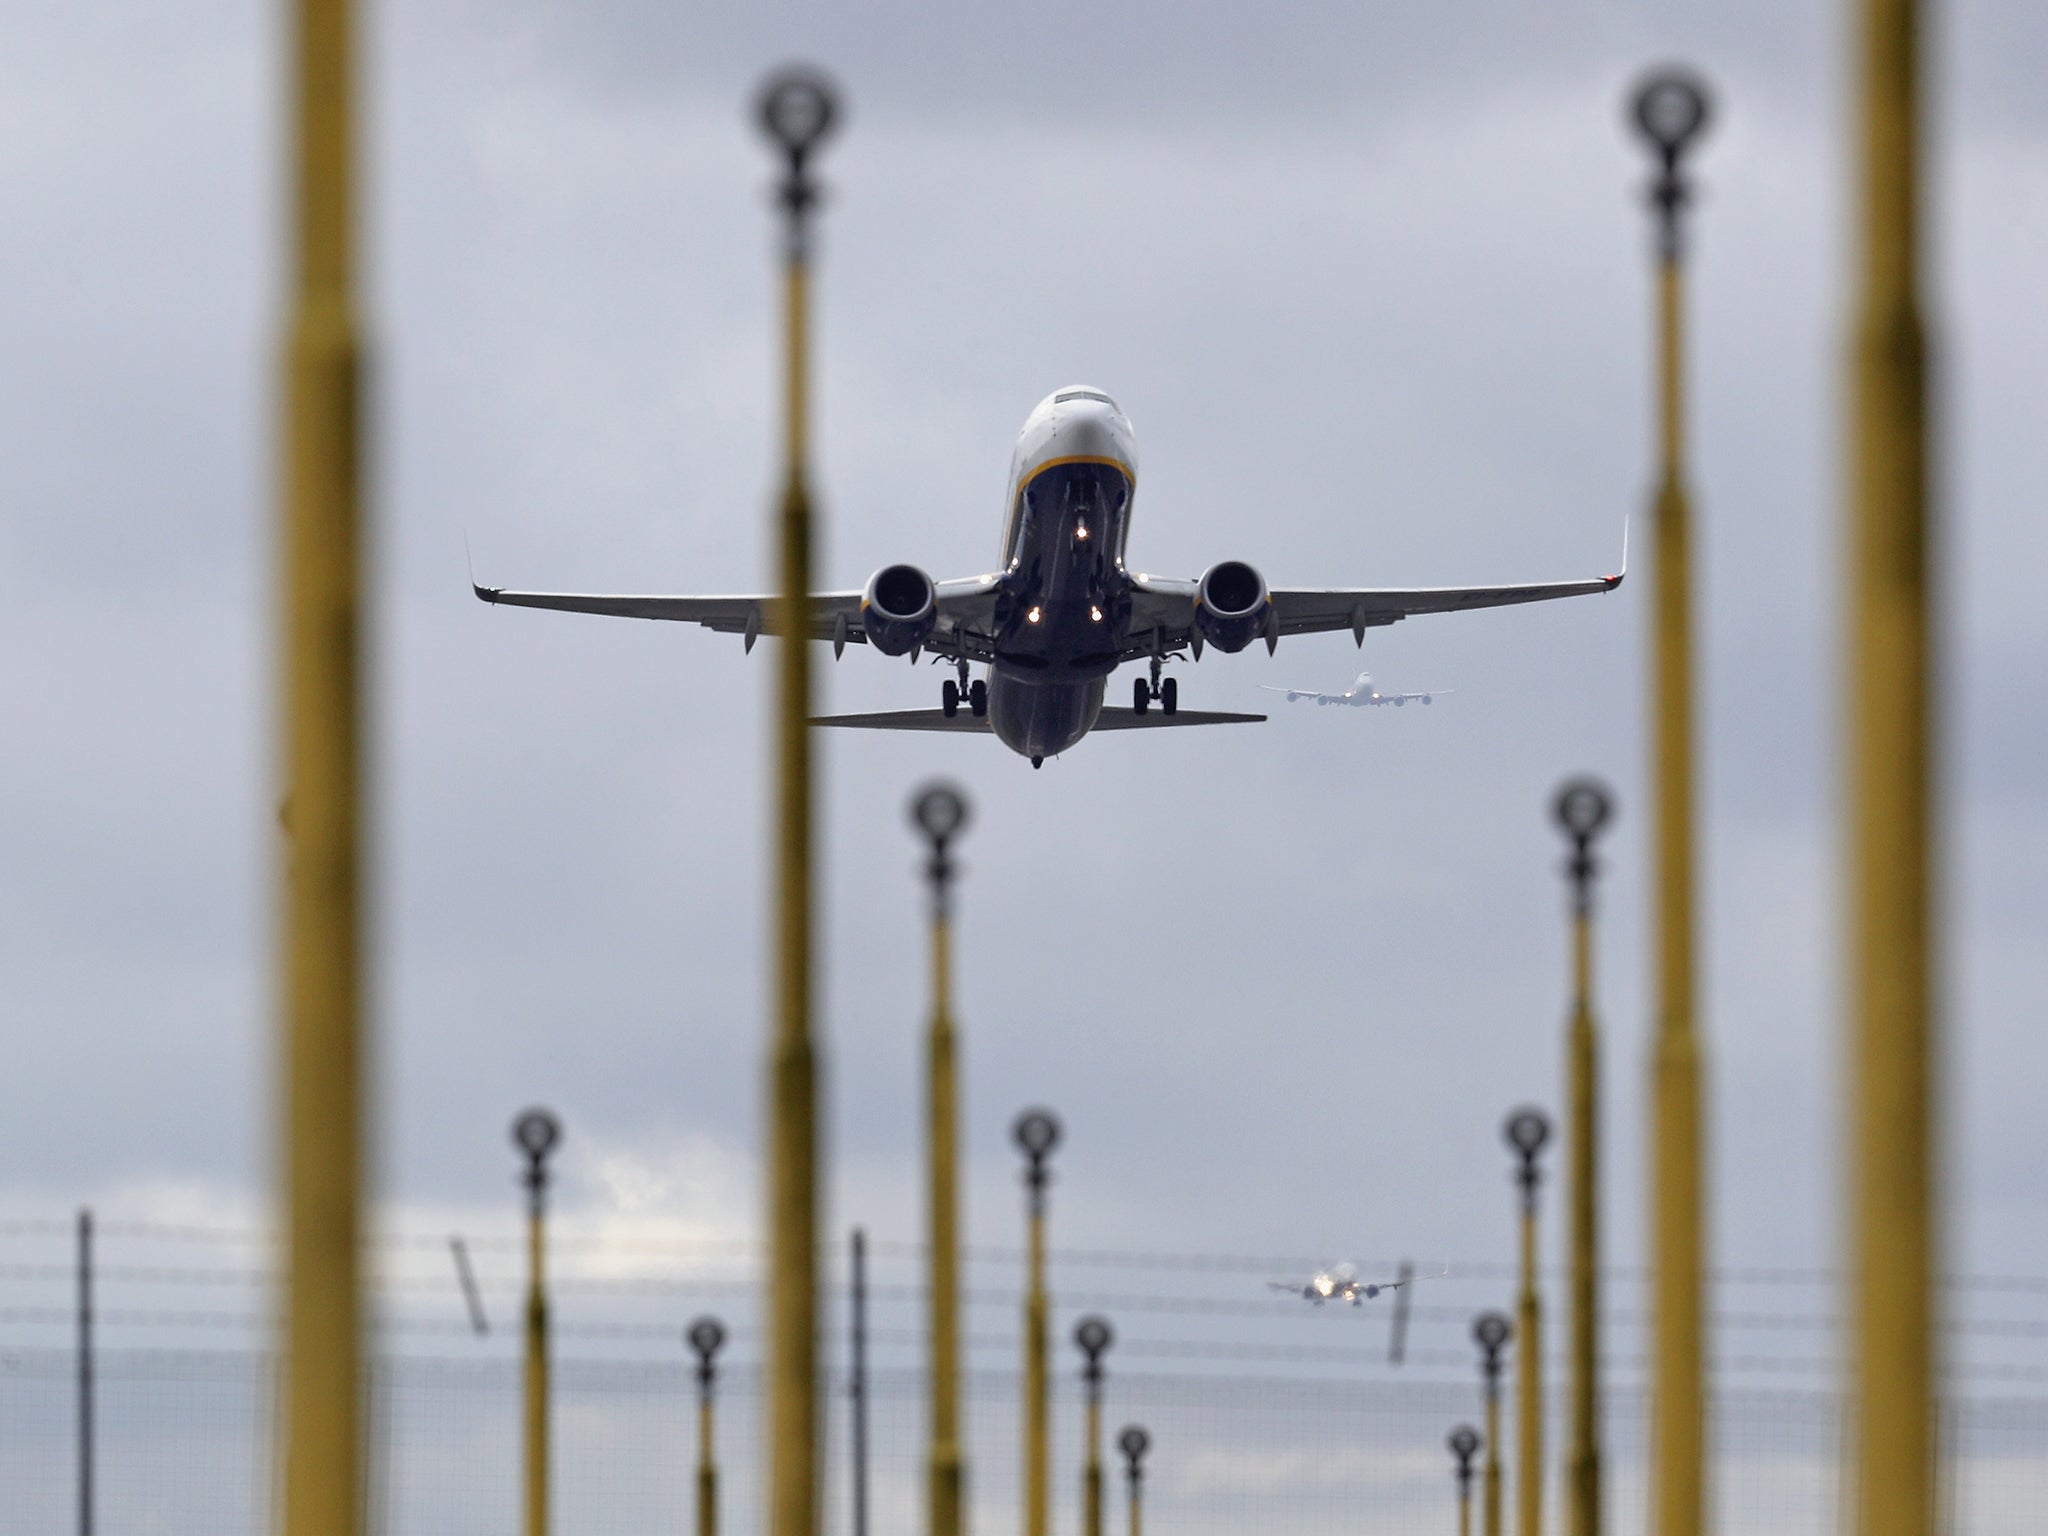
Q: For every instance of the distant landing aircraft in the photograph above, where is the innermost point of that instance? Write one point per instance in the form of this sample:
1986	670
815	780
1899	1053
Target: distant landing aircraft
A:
1062	610
1360	694
1340	1282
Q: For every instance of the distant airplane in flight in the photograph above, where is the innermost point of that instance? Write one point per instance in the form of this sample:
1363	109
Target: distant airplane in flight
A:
1340	1282
1063	611
1359	695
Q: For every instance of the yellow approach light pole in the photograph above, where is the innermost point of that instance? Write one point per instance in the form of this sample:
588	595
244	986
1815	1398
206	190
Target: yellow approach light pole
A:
940	812
1092	1336
1464	1443
1894	1044
1134	1442
1670	111
1583	807
1036	1133
1491	1332
797	110
320	935
706	1337
1526	1131
536	1134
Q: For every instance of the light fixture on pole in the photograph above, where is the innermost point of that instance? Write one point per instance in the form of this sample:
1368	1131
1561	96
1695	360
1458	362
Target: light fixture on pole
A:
940	812
1583	809
798	109
1036	1133
1464	1444
1491	1332
1670	110
1134	1442
536	1134
706	1337
1092	1336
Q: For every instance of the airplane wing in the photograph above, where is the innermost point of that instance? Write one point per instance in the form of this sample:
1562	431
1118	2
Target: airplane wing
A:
1303	693
1395	1285
1115	719
1111	719
1292	1287
1163	610
1433	693
907	720
966	613
1308	611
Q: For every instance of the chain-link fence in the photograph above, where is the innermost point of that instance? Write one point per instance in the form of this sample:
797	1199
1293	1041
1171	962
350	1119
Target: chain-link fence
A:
184	1446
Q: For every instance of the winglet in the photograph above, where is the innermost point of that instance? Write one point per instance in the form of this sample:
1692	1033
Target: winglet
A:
1616	579
488	594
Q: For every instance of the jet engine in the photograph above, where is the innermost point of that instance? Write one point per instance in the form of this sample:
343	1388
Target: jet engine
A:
1230	605
899	609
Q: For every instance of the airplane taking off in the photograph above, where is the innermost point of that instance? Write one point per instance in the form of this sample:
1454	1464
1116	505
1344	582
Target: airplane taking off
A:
1360	694
1340	1282
1063	611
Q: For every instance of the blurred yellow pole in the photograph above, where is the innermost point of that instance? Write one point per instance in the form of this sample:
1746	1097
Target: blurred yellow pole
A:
1490	1489
1091	1474
535	1134
1527	1130
1671	109
322	1048
1036	1134
940	811
1893	1039
1529	1391
1679	1386
1037	1397
707	1471
797	110
536	1374
947	1470
1583	808
1582	1479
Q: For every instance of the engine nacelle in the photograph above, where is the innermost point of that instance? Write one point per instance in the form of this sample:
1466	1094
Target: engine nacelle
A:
899	609
1230	605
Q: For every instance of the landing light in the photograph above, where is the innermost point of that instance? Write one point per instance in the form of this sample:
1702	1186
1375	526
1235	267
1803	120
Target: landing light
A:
1081	531
1031	617
1095	613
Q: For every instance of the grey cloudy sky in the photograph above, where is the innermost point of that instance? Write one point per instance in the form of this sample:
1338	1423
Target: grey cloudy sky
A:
1371	282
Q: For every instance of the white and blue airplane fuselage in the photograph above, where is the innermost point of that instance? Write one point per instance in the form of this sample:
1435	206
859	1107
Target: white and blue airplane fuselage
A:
1063	610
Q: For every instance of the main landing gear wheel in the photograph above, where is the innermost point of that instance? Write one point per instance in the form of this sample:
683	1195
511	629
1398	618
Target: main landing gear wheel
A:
977	699
949	698
1145	690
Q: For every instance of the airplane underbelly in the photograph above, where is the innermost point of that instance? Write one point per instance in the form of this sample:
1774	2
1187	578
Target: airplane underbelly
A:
1035	719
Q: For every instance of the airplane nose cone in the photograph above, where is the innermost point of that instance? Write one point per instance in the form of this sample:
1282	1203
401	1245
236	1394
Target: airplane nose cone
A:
1088	432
